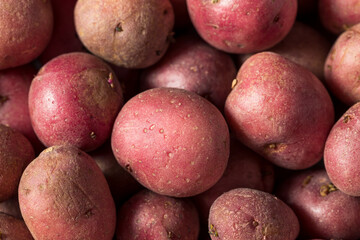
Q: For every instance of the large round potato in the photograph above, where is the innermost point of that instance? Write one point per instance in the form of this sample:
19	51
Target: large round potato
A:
172	141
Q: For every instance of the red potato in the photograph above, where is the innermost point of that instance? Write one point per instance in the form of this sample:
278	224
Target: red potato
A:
280	110
14	109
323	210
151	216
338	15
243	213
12	228
131	34
26	28
174	142
74	99
341	154
16	152
64	38
242	26
342	68
64	195
192	64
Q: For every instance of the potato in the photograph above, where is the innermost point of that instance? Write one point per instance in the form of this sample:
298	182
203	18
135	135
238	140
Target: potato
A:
14	109
242	26
280	110
192	64
243	213
148	215
16	152
323	211
341	153
12	228
64	195
131	34
338	15
74	99
26	28
342	68
174	142
11	207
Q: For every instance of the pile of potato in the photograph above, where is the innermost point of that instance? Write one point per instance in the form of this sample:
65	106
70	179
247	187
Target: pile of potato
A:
179	119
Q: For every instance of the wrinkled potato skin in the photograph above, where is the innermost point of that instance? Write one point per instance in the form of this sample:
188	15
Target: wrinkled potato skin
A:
16	152
341	154
131	34
12	228
322	209
243	214
64	195
341	68
151	216
26	28
280	110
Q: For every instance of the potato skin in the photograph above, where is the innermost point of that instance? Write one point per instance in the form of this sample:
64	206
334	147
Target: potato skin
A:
242	26
148	215
74	99
26	28
243	213
341	68
131	34
16	152
323	210
173	141
64	195
12	228
341	153
280	110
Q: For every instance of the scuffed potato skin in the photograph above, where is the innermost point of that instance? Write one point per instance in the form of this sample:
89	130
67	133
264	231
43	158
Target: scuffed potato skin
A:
131	34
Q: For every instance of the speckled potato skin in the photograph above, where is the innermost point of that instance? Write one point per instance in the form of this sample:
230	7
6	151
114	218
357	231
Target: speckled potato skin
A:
131	34
280	110
148	215
173	141
242	26
338	15
323	210
16	152
26	28
341	154
342	68
74	99
244	213
64	195
194	65
12	228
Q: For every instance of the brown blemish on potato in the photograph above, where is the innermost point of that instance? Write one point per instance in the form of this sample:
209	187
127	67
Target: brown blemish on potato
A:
255	223
213	231
276	18
269	230
306	181
215	1
171	235
27	191
92	135
275	147
88	213
3	99
118	28
326	189
158	52
110	80
234	83
128	168
347	118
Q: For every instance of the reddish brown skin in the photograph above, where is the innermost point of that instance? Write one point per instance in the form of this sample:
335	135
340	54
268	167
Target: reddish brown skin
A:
323	210
244	213
151	216
173	141
245	169
242	26
14	109
192	64
122	184
21	42
11	207
338	15
64	195
64	38
280	110
12	228
131	34
16	152
341	70
74	99
341	154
